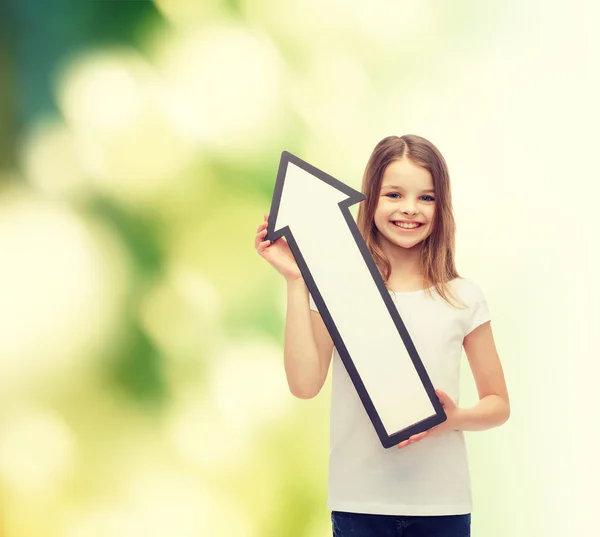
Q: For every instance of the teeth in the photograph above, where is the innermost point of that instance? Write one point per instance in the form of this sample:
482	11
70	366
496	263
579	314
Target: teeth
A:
405	225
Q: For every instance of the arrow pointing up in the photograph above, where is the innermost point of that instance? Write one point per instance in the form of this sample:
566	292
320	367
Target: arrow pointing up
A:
311	209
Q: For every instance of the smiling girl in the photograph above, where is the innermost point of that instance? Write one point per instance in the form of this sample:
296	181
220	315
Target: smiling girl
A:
423	487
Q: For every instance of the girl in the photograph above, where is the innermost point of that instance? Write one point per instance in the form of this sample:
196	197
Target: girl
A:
423	487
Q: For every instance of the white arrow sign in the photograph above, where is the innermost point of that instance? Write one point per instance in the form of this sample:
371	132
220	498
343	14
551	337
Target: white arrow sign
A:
311	209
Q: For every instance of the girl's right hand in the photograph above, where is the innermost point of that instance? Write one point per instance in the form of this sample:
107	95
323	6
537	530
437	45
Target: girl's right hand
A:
277	253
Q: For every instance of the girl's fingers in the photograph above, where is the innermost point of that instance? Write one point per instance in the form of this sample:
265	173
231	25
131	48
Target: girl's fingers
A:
259	235
257	240
263	245
413	439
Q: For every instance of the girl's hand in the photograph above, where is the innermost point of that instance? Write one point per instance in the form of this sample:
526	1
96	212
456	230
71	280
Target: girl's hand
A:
451	423
277	253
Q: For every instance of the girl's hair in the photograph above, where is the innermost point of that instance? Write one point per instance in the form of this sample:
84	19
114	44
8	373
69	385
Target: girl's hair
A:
437	252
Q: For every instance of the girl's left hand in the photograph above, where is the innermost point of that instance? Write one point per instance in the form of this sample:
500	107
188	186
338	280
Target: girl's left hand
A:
451	423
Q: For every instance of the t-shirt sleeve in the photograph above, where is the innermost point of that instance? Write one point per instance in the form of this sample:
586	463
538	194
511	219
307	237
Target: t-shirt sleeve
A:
479	311
313	306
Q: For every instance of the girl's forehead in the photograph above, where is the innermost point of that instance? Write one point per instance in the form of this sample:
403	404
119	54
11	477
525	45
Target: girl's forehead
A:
405	167
405	174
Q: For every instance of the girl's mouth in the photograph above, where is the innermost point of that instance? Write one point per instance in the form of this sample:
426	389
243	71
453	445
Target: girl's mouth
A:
407	227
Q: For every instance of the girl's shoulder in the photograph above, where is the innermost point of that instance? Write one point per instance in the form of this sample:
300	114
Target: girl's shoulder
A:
467	291
466	285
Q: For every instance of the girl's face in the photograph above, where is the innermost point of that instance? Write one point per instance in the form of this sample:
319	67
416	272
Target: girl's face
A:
406	197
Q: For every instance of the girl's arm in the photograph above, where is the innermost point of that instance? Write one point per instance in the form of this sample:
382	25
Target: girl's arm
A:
308	347
493	408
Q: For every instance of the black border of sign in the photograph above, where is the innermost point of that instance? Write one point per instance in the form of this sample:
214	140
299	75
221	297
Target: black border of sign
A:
353	197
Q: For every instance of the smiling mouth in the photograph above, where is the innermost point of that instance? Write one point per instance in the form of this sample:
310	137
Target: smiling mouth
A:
406	226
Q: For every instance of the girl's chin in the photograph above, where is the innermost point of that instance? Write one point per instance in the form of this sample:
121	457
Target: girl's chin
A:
403	242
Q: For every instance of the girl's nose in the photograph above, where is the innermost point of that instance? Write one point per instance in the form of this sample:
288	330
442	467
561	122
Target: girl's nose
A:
409	209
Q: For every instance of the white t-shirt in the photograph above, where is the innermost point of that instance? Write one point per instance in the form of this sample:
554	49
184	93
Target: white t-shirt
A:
430	477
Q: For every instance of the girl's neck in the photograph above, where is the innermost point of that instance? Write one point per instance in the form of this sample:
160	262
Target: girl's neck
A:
405	262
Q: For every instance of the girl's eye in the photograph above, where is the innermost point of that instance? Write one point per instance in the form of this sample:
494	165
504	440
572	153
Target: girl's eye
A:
392	194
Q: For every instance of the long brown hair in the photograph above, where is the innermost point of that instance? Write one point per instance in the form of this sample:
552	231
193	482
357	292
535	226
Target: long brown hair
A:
437	251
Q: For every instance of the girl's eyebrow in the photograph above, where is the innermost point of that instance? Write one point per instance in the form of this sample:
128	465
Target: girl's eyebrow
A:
400	188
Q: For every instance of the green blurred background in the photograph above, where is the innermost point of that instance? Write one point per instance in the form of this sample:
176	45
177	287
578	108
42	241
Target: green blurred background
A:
142	391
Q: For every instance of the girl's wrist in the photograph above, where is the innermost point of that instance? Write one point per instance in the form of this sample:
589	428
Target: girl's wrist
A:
293	282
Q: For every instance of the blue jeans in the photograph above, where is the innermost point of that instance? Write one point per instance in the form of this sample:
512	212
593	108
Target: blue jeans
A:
363	525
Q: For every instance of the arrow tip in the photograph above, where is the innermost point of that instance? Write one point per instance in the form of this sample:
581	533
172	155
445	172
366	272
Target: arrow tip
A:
304	193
